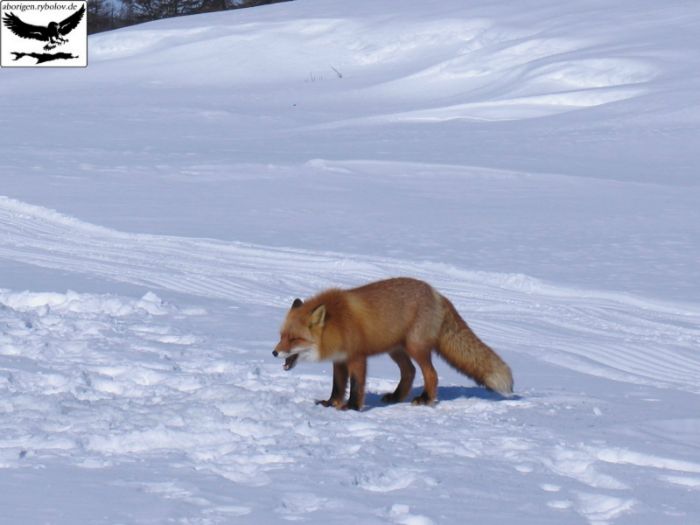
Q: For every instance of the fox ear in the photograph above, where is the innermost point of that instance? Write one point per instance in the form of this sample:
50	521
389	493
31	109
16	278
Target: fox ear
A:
297	303
318	316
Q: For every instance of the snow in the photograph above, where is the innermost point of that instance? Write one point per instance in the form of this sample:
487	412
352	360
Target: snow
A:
159	211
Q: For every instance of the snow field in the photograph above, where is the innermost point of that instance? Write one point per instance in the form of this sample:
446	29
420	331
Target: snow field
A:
537	163
513	308
103	382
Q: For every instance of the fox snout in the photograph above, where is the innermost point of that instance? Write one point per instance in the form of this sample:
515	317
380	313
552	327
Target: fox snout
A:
281	348
290	360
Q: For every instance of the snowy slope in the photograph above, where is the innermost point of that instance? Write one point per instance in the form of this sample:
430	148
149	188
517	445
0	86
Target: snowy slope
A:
159	210
224	112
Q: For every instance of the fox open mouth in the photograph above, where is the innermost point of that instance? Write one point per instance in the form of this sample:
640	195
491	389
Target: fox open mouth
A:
290	361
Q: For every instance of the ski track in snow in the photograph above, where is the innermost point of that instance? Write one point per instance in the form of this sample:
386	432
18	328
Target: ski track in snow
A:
98	380
604	334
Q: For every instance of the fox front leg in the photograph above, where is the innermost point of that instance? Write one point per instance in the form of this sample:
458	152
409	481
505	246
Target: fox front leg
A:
357	369
340	385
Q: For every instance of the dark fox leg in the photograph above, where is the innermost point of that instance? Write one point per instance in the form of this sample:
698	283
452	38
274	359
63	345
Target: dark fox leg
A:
340	385
358	372
430	380
408	372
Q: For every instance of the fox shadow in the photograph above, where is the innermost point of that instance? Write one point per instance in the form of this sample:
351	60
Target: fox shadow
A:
445	393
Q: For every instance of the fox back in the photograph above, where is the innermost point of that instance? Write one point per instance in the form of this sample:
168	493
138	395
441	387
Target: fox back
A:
371	319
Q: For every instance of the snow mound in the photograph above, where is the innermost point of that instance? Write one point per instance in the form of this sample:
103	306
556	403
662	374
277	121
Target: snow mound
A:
74	303
480	69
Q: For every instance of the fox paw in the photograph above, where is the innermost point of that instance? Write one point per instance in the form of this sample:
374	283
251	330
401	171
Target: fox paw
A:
349	406
391	398
329	403
423	399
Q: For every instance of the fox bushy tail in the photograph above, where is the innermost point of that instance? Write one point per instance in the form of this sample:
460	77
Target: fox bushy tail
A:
462	349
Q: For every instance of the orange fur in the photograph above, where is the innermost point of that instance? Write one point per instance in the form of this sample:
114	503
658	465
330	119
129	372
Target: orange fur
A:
406	318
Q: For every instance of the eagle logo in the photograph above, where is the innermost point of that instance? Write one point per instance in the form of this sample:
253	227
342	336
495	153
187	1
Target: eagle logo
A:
53	33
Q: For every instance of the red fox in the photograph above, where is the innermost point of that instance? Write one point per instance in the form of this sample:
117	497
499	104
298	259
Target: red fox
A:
403	317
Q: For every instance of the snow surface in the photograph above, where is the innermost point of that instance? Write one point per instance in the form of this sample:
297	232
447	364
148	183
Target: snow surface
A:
535	161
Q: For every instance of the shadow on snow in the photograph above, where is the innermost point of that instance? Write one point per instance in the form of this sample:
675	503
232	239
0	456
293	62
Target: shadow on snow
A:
445	393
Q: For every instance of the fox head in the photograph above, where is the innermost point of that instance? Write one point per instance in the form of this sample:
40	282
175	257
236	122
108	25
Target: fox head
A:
300	334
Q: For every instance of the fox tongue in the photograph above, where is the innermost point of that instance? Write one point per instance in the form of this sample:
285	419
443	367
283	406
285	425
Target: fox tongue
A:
290	361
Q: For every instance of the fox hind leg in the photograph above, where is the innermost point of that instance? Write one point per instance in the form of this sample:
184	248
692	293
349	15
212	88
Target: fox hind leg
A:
408	372
422	356
340	385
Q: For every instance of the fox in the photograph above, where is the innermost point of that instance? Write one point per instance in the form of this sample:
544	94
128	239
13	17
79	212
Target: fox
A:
403	317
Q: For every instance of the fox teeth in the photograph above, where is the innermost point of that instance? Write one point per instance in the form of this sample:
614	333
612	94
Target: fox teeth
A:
290	362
